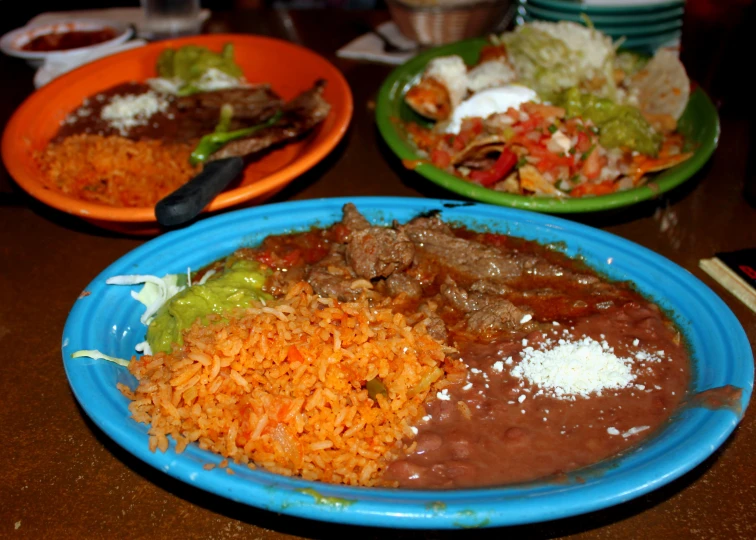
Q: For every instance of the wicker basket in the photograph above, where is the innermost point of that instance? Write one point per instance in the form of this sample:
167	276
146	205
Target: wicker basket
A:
441	24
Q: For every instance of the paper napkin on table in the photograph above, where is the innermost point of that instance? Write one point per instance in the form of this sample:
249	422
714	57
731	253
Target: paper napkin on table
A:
57	66
372	47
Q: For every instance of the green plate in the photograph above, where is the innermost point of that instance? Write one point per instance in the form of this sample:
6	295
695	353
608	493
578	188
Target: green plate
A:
613	23
577	7
699	123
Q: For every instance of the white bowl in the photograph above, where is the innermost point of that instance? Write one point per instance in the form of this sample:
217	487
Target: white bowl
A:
12	42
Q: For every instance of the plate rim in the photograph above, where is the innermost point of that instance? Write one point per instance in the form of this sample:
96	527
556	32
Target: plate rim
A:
14	132
572	7
387	103
505	506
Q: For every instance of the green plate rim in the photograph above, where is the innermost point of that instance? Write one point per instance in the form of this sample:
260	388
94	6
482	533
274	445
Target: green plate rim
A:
578	7
390	101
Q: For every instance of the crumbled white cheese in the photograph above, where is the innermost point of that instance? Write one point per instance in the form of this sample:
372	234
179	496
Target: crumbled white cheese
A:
575	368
633	431
525	318
467	386
498	366
126	112
443	395
522	398
612	431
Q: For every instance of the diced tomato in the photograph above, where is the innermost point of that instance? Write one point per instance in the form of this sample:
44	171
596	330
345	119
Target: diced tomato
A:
504	164
513	113
473	125
583	142
602	188
293	355
440	158
547	159
592	165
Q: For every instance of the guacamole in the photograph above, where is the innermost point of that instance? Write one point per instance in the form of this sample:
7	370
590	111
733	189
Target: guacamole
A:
619	125
240	283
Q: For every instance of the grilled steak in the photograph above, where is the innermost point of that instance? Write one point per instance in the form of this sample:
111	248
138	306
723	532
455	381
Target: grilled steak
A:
300	115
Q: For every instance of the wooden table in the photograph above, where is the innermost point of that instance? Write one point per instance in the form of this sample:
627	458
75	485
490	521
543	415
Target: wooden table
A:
62	477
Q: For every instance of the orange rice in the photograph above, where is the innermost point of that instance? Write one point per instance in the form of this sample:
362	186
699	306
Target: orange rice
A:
282	386
114	170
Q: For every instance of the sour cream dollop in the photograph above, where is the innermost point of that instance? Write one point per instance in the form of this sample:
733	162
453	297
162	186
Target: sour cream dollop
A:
487	102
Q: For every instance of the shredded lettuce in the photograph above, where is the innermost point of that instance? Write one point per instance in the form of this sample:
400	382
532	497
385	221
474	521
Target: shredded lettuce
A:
97	355
156	291
551	57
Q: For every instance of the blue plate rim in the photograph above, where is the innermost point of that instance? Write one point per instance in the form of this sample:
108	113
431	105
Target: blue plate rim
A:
511	505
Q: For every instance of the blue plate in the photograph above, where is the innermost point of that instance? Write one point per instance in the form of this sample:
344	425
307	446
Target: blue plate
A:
108	319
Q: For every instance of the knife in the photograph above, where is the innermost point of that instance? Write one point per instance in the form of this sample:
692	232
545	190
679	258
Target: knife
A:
187	202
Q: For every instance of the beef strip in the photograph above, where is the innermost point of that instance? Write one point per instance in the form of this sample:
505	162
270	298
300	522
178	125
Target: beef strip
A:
466	258
476	262
300	115
379	252
485	313
253	104
400	283
486	287
332	277
353	219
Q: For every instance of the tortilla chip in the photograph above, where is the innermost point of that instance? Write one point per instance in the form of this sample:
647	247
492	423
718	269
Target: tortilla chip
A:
479	147
663	85
532	180
649	165
509	185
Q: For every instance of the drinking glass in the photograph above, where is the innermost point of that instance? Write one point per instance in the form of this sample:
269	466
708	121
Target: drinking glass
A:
170	18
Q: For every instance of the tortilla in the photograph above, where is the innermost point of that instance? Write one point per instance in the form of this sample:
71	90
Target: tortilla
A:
663	85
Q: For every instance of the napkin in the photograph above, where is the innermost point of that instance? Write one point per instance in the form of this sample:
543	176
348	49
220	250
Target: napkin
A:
372	46
54	67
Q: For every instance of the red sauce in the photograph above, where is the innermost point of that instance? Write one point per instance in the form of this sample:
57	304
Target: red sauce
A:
64	41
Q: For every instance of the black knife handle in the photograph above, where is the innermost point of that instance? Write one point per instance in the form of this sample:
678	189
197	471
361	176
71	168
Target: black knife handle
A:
187	202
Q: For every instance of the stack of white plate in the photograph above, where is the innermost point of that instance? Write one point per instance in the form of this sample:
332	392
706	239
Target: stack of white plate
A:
644	25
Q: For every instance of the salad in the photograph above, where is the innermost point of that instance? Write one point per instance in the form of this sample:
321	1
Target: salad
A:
552	109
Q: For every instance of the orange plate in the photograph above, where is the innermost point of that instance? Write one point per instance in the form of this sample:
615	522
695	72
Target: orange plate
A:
288	68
